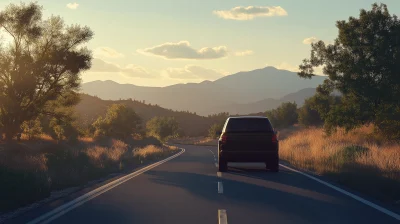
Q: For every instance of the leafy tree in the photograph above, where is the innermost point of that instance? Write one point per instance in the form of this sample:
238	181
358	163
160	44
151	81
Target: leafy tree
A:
32	128
212	132
309	116
65	127
363	64
163	128
283	116
120	121
40	66
315	109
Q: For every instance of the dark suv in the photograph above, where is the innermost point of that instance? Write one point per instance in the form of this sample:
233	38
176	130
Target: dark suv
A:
248	139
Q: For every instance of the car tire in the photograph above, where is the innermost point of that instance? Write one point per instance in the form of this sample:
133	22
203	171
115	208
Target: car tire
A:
222	165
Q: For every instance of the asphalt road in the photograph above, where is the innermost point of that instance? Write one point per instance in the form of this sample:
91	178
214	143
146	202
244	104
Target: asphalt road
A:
188	189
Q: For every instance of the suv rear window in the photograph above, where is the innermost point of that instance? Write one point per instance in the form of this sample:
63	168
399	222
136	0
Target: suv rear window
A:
249	125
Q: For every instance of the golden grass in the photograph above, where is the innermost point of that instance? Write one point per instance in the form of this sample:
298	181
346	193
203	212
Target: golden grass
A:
359	159
147	151
24	162
312	149
206	141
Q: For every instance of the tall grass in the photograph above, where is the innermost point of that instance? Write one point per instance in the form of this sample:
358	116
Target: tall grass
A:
29	175
358	159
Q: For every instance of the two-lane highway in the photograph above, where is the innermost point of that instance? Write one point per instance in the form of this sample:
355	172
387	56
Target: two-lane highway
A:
188	189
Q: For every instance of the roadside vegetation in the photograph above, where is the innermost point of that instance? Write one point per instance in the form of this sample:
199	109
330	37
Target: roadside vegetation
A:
44	144
350	130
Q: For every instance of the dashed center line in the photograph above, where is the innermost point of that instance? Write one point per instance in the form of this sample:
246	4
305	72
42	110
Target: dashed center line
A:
220	187
222	216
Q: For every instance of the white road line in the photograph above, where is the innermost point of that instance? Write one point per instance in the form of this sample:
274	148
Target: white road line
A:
61	210
362	200
220	188
219	174
216	165
222	216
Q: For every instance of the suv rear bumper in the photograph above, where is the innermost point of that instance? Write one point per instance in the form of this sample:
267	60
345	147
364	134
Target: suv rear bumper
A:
249	156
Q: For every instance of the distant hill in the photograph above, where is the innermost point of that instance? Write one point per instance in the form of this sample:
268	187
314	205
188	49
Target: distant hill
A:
268	104
90	108
255	90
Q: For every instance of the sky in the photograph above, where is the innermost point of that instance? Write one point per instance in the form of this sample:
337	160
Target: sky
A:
165	42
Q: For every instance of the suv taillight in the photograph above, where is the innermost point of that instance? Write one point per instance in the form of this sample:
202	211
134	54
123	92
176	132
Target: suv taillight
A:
224	138
274	138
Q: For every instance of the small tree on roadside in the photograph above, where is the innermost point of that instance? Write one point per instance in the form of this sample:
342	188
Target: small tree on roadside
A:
65	127
283	116
212	132
120	122
32	128
163	128
40	66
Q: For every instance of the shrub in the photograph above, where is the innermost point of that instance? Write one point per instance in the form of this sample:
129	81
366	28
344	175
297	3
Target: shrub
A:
163	128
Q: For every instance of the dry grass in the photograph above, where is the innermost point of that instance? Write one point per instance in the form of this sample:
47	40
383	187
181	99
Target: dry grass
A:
206	141
356	158
29	175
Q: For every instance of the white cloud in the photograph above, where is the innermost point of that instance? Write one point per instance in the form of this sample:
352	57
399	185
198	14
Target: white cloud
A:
244	53
183	50
310	40
107	52
193	72
130	70
73	5
250	12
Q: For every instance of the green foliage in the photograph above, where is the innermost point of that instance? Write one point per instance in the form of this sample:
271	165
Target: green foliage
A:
163	128
363	64
32	128
119	122
316	109
65	127
212	132
40	68
283	116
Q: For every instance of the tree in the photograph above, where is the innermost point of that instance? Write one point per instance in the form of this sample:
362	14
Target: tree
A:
32	128
163	128
316	108
212	132
65	127
120	122
309	116
283	116
40	66
363	64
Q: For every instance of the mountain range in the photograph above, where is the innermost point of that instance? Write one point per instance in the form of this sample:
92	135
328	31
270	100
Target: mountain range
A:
240	93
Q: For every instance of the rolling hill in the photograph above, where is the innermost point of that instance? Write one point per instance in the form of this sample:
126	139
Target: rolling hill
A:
252	90
90	108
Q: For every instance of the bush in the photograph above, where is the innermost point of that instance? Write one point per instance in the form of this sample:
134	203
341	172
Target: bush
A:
119	122
32	128
308	115
163	128
212	132
283	116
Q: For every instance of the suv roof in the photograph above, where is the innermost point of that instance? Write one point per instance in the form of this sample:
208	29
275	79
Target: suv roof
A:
238	117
